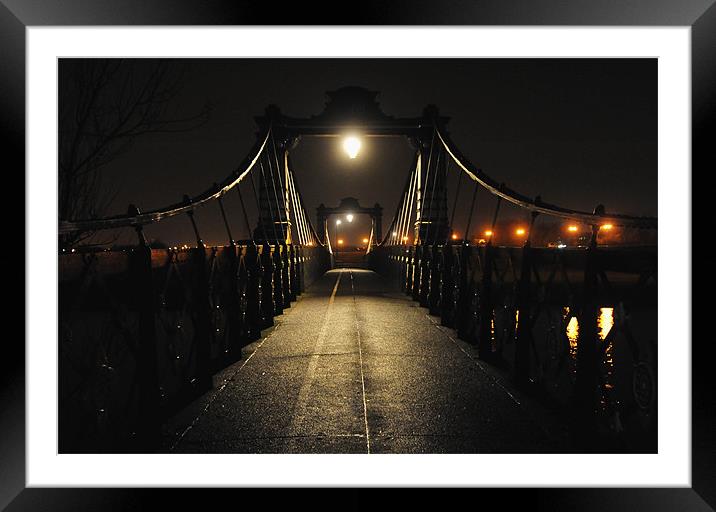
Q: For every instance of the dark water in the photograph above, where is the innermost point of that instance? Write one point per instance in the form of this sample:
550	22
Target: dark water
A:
625	403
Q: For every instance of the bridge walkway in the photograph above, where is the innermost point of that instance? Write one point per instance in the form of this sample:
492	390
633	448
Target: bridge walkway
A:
353	367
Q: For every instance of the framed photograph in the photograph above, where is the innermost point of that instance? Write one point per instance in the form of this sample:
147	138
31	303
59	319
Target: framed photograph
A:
420	250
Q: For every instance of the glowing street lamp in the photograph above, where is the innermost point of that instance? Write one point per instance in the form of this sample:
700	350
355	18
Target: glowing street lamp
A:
351	145
365	240
349	217
572	228
520	232
606	227
340	241
488	233
454	236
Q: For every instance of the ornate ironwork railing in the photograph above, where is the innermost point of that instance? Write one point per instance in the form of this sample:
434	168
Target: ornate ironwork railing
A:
575	326
142	331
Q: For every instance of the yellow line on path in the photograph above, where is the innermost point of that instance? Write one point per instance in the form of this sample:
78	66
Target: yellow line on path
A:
299	409
360	359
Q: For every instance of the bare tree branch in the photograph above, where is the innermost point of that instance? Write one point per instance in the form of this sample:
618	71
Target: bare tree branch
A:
105	105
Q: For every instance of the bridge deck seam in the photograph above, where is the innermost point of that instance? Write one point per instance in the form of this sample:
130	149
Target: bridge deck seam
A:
360	359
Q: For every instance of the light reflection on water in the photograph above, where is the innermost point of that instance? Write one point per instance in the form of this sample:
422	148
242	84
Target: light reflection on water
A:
572	333
608	400
605	322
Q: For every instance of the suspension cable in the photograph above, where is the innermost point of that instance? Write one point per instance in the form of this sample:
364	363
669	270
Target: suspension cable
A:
226	221
312	231
454	204
301	209
494	218
432	193
258	205
246	216
300	217
397	238
389	238
275	195
421	191
280	185
268	200
525	202
297	209
411	198
397	224
202	199
469	218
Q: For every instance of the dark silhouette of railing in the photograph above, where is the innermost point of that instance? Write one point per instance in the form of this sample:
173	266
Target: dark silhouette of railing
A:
142	331
517	305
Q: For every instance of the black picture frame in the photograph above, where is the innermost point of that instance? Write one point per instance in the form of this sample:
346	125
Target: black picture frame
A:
17	15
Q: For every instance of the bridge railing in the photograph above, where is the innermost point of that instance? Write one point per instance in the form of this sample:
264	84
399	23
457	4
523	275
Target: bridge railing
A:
142	331
559	320
535	312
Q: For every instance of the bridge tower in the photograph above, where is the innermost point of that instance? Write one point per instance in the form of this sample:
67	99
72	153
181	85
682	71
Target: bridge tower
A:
356	109
274	223
431	224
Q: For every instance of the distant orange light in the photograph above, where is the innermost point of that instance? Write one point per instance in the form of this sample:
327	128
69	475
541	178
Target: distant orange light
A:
405	238
519	231
340	241
606	227
488	233
365	240
454	236
572	228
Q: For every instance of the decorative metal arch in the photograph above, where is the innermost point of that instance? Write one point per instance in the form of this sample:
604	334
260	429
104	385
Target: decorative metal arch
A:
351	205
350	109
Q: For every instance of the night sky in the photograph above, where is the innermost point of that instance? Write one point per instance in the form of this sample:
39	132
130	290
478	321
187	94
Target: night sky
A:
576	131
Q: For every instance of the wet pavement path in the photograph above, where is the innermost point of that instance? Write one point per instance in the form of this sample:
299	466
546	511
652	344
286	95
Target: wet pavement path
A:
354	367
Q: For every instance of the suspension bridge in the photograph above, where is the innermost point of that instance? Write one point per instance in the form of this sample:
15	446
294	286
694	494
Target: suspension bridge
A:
439	342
